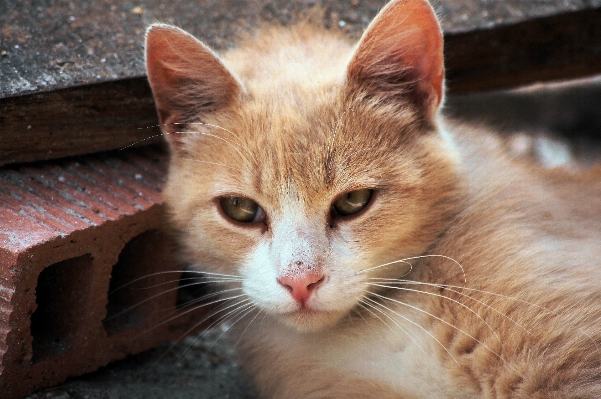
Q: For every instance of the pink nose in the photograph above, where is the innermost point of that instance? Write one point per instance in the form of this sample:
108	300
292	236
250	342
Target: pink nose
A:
301	287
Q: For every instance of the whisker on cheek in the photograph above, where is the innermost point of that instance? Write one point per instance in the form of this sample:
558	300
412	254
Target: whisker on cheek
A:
440	296
456	291
406	261
227	131
240	308
415	308
368	303
463	288
181	313
252	308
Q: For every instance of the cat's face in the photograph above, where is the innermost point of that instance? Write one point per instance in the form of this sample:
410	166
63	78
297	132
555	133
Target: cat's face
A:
307	191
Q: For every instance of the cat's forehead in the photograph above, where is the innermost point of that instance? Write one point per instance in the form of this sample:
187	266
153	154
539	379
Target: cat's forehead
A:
314	153
304	145
293	144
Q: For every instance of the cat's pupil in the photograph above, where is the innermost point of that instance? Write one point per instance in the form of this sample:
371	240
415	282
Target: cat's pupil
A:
240	209
352	202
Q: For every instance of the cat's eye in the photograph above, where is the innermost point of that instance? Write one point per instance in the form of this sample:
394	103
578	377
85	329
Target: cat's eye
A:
242	209
352	202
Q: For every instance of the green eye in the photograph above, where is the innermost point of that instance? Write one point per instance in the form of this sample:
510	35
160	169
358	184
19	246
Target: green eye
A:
242	209
352	202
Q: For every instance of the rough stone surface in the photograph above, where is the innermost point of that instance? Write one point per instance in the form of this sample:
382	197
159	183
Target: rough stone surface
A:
74	235
47	45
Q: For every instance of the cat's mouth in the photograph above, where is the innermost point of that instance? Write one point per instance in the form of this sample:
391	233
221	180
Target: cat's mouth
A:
307	319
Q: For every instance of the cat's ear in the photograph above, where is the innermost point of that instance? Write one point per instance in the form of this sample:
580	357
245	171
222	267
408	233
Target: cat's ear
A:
188	80
400	55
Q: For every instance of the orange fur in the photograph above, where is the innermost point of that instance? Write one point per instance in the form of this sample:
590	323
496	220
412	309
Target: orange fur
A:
469	274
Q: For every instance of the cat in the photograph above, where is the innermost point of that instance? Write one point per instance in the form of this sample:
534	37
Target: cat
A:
366	247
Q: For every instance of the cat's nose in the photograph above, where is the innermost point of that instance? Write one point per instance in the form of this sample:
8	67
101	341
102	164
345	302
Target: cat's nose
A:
301	286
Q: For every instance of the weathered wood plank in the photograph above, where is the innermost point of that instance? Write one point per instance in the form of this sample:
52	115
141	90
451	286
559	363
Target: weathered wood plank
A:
59	44
78	120
549	48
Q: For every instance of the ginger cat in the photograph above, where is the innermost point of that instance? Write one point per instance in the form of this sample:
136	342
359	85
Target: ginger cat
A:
366	248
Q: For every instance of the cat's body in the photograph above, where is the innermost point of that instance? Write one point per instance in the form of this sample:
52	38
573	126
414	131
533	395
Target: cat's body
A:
541	303
457	273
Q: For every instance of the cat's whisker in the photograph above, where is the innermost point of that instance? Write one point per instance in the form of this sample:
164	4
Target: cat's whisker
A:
204	298
146	276
247	326
231	144
228	131
367	305
214	274
174	314
447	287
239	140
212	279
140	303
587	335
239	314
180	286
458	287
150	275
381	305
262	325
140	141
180	314
387	264
238	307
416	308
245	306
196	123
242	305
359	314
406	260
197	280
492	330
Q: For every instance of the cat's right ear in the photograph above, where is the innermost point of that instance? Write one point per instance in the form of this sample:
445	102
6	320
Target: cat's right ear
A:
188	80
400	57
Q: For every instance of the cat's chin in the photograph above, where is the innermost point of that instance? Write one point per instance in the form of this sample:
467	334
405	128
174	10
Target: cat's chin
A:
308	321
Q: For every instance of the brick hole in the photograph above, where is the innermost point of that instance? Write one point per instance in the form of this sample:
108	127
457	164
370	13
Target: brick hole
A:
137	294
62	295
189	293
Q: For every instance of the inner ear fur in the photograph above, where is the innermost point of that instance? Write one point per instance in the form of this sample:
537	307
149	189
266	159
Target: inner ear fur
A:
400	56
187	78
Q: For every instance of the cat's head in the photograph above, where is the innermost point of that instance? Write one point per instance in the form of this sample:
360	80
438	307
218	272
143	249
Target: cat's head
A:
307	179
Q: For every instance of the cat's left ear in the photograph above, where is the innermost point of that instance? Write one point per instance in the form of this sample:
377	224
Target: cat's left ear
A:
400	56
188	80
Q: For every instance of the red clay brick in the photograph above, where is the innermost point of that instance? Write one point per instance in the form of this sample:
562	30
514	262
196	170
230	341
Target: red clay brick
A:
70	232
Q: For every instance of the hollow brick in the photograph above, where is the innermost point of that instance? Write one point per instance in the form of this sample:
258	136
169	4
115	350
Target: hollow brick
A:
66	229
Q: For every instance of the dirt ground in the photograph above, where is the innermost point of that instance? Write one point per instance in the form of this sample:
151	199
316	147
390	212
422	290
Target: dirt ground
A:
198	367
